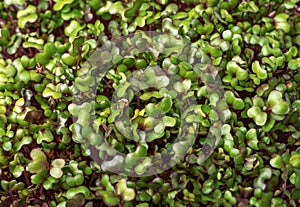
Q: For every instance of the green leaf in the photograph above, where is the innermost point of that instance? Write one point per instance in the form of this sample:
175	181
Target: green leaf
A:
25	76
49	49
160	82
73	109
258	101
39	177
10	71
48	185
261	73
59	4
110	199
73	191
106	182
46	136
78	180
251	137
73	28
269	125
47	92
34	42
77	200
152	136
27	15
280	108
38	156
132	11
69	59
238	104
42	58
18	145
179	148
18	2
229	97
36	77
142	205
251	134
18	171
141	168
121	186
75	13
122	89
265	174
180	15
232	67
148	95
274	97
7	146
128	194
295	160
261	118
150	122
262	89
35	167
141	151
59	163
165	104
179	87
241	74
169	121
227	35
159	128
276	162
105	56
294	64
56	172
253	111
281	22
115	163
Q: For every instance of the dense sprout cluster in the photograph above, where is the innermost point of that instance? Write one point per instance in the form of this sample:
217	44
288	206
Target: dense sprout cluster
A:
253	46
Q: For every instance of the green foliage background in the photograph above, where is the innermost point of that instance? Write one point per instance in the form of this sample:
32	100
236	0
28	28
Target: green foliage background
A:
254	43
